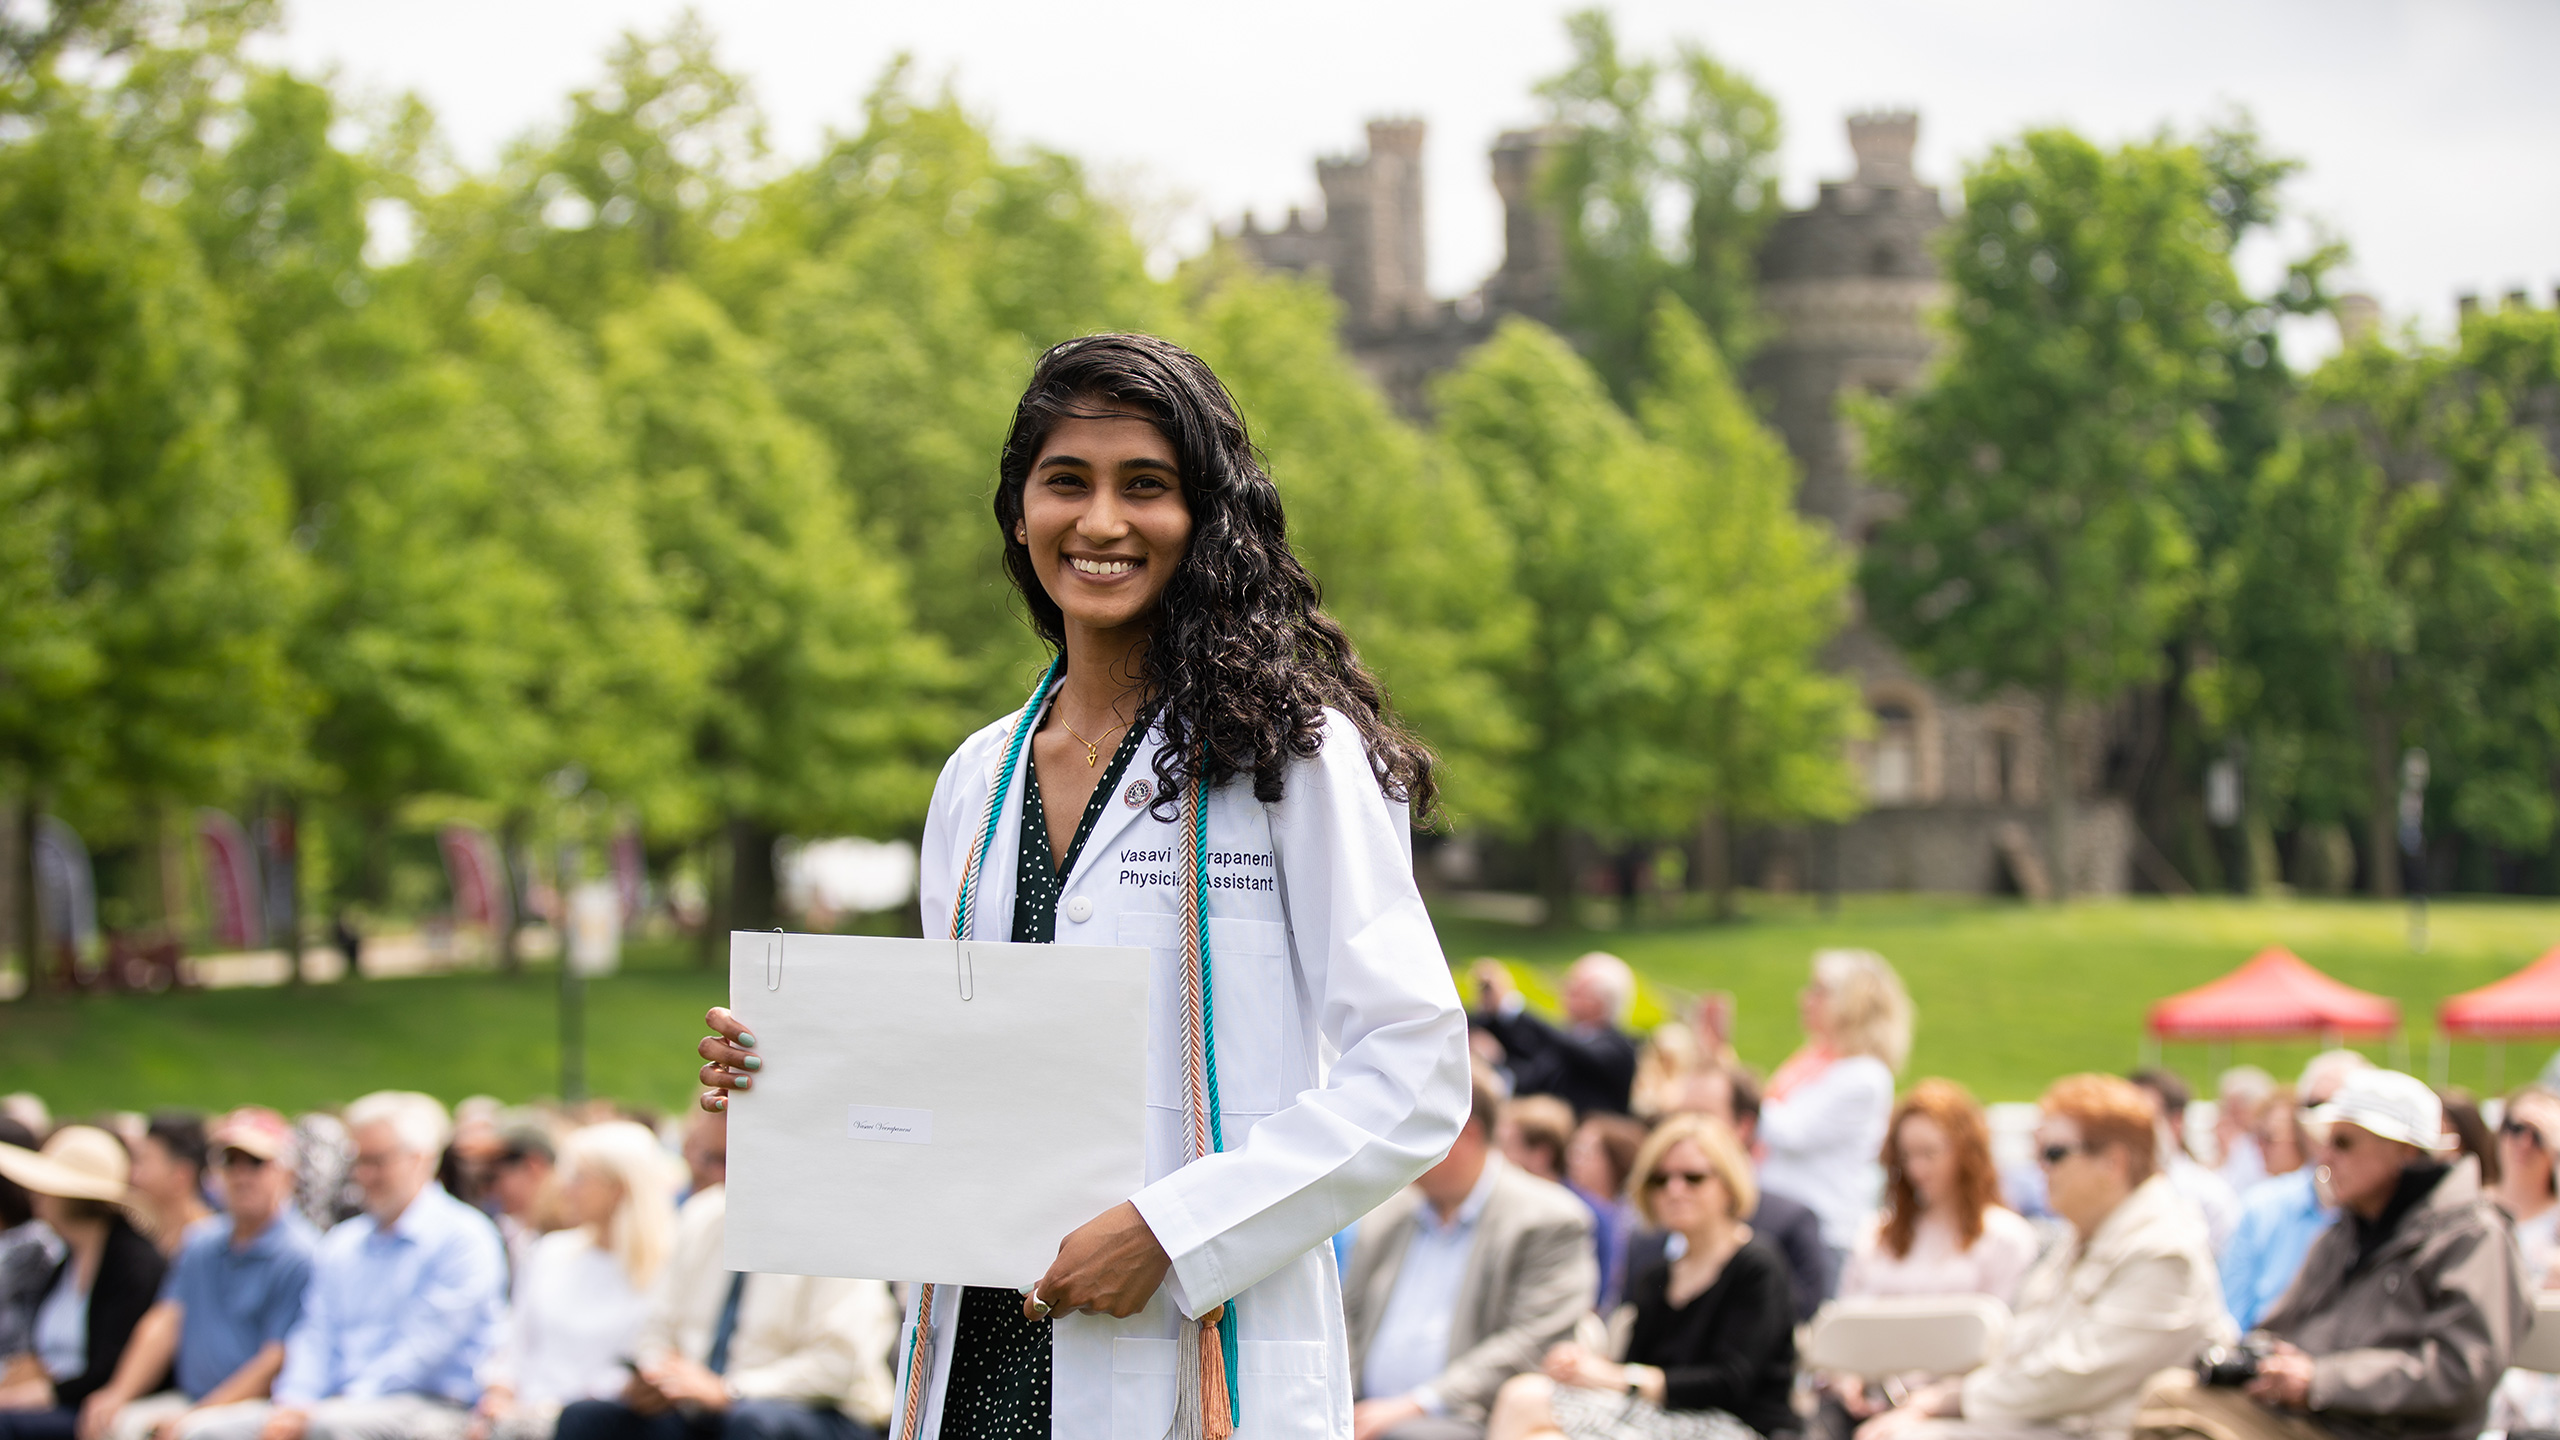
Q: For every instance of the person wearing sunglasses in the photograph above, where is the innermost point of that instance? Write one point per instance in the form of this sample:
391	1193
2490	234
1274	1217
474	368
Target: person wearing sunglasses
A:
2406	1310
2529	1191
1712	1355
2131	1288
2282	1215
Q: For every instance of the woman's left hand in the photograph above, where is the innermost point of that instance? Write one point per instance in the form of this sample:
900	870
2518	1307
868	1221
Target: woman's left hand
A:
1111	1265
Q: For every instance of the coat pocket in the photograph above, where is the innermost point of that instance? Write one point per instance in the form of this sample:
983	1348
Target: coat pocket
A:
1249	997
1141	1386
1288	1389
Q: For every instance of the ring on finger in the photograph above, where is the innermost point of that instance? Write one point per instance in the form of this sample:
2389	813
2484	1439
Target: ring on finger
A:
1040	1309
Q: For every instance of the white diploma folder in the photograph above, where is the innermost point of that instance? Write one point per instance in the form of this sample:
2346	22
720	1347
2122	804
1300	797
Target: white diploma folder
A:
931	1110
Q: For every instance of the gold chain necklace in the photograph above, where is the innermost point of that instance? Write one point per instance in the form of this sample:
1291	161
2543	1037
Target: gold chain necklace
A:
1092	748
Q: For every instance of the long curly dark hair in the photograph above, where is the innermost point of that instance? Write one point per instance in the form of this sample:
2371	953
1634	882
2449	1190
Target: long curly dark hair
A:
1242	661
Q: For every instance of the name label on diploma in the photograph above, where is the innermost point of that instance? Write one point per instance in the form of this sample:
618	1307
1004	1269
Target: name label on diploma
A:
890	1123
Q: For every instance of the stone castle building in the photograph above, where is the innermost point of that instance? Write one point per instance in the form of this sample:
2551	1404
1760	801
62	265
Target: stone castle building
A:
1954	787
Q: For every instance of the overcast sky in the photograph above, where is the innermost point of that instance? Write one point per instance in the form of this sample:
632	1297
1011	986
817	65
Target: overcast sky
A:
2430	126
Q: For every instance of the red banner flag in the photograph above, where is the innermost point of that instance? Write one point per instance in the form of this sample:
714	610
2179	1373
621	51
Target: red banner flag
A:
231	880
478	877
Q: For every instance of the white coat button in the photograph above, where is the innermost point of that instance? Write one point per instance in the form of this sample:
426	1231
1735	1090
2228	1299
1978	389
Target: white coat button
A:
1080	909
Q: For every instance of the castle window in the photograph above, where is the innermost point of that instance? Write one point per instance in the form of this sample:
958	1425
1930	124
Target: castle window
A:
1893	766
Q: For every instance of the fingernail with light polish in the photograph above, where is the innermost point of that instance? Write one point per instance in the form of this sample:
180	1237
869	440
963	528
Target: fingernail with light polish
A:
742	1082
748	1041
752	1062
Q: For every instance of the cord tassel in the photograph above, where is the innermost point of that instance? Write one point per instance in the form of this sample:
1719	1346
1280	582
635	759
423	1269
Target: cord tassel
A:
1217	1408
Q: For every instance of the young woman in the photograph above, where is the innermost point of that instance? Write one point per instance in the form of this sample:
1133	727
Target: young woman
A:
580	1299
95	1297
1943	1230
1712	1354
1823	1117
1202	709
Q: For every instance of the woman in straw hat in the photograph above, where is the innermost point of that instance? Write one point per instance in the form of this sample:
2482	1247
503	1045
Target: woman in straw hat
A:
109	1278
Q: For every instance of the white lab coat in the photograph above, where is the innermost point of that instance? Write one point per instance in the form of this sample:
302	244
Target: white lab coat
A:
1342	1067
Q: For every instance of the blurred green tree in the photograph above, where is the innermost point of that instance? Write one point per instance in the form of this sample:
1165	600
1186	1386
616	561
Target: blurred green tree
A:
1655	200
2039	541
1766	590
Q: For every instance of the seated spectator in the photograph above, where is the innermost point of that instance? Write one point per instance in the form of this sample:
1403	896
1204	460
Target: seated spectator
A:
404	1304
1822	1117
2209	1193
2240	1097
578	1307
1713	1349
2282	1147
2405	1312
1533	1133
1457	1284
1589	1062
1731	1096
726	1356
232	1296
96	1294
2528	1187
2282	1215
29	1250
1597	1163
1943	1230
2527	1139
520	1189
2130	1290
168	1177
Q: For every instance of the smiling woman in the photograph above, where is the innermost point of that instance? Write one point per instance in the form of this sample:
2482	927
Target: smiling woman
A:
1262	856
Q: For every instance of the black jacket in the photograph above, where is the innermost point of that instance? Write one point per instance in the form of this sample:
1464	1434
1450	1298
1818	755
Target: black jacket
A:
1732	1348
1587	1070
1788	1228
128	1284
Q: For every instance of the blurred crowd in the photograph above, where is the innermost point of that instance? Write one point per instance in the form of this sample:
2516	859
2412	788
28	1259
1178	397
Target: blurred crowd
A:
1633	1236
398	1272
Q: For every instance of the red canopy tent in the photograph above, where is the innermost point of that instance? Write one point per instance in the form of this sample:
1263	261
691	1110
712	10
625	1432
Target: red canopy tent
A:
2524	1004
2274	995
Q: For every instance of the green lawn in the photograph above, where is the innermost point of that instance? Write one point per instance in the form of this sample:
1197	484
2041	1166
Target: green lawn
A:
2009	997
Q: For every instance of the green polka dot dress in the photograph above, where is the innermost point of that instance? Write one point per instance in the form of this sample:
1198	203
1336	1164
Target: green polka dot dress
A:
999	1387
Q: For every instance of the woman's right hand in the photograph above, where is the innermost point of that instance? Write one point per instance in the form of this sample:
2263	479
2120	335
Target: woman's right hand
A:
729	1059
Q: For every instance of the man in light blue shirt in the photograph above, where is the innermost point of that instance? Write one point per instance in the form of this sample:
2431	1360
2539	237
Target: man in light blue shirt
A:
1459	1283
2280	1217
405	1301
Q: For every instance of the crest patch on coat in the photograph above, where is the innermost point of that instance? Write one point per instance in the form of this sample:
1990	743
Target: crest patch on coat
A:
1138	793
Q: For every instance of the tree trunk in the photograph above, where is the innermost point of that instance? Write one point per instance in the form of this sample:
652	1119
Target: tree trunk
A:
2382	812
1553	853
710	938
30	927
510	865
1716	857
751	877
2057	794
284	849
169	869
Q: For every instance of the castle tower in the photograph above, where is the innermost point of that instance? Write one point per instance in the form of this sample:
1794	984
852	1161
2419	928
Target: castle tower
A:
1373	218
1951	783
1531	280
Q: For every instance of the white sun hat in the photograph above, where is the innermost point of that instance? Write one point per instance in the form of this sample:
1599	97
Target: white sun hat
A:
2387	1104
80	1162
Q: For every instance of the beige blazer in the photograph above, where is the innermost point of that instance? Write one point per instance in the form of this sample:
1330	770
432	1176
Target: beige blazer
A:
799	1337
1531	1274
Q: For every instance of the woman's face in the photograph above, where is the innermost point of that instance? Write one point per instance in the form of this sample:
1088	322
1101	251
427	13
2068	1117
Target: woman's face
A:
1813	1011
592	1197
1105	520
157	1173
1927	1160
2522	1149
1687	1192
